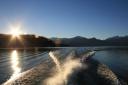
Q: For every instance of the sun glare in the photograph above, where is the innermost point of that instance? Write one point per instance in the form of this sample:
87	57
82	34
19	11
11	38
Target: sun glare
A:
15	62
15	32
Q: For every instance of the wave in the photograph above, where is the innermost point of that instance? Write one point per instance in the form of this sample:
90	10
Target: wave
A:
66	68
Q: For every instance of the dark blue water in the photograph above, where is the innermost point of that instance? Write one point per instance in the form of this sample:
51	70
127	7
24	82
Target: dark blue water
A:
14	61
116	60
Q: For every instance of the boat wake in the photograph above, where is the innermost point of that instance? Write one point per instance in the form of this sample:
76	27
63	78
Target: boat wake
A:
67	67
65	71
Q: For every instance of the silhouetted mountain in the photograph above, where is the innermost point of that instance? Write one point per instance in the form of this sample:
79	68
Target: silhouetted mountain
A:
117	41
118	38
23	41
82	41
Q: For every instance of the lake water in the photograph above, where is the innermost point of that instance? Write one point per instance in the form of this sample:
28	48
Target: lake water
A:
13	62
116	60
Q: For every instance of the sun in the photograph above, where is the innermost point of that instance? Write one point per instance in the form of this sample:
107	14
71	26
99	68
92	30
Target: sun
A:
15	32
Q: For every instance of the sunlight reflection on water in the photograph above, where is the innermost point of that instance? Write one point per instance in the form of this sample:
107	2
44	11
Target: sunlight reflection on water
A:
14	58
15	63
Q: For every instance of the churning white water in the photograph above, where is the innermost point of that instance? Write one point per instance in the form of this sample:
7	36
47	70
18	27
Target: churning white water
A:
66	69
56	61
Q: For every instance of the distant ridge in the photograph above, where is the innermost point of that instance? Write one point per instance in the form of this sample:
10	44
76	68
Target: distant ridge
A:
83	41
24	41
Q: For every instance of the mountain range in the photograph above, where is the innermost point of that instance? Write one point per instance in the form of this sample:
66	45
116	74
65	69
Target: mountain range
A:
30	40
82	41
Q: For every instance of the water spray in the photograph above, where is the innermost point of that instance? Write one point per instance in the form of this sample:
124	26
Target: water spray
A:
56	61
65	70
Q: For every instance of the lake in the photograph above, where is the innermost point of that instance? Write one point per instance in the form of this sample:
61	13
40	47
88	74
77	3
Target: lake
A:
13	62
116	60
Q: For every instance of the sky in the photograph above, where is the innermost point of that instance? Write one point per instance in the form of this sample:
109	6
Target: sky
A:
66	18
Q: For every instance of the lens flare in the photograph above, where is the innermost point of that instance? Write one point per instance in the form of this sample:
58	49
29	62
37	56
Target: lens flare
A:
15	30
